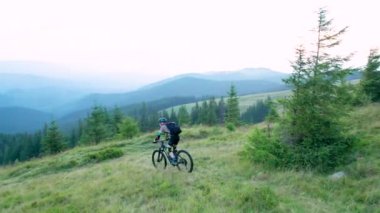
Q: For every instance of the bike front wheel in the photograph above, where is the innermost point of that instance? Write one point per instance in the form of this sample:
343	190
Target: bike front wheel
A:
184	161
159	159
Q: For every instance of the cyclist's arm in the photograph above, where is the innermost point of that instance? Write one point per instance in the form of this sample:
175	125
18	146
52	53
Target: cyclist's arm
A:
163	131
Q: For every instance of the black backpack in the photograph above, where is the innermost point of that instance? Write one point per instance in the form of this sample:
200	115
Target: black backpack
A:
174	128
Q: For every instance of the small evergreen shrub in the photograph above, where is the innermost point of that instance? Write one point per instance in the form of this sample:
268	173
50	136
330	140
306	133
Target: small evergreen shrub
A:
264	150
231	127
105	154
128	128
322	157
68	165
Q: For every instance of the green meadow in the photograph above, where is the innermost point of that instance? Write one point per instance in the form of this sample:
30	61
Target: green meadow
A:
118	176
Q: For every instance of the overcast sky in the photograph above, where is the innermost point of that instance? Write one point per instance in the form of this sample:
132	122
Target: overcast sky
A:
141	41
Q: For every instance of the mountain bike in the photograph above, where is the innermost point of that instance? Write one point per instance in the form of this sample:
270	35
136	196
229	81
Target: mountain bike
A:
160	158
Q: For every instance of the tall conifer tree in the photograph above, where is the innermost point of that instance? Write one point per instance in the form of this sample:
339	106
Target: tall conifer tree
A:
221	114
195	113
53	141
212	118
183	116
313	114
371	76
96	127
233	112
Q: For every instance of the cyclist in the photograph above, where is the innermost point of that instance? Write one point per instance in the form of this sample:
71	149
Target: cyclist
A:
171	132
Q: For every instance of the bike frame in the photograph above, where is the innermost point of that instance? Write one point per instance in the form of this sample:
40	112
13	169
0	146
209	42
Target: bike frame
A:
164	149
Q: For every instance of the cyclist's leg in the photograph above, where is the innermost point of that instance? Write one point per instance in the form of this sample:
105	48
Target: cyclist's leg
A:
176	143
173	141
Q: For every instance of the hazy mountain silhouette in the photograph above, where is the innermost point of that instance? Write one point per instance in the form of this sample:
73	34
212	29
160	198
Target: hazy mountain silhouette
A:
263	74
19	119
36	92
186	86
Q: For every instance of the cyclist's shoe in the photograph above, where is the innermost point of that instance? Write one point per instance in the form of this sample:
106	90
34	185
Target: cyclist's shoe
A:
174	161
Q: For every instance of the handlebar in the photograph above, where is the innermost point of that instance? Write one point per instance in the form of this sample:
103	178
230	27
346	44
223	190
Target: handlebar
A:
161	141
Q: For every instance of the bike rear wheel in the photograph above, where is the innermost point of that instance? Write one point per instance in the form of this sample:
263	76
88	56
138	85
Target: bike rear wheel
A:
159	159
184	161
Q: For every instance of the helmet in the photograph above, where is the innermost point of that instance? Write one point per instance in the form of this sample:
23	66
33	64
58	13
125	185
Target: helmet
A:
162	120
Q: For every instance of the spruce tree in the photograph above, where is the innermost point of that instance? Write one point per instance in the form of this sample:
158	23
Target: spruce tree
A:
233	112
96	128
153	121
26	148
195	114
53	141
371	76
128	128
73	138
143	117
116	119
271	116
312	124
221	113
36	144
203	114
212	118
173	116
80	128
256	113
183	116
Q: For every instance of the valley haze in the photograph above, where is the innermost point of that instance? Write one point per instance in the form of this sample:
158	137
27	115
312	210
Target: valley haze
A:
37	96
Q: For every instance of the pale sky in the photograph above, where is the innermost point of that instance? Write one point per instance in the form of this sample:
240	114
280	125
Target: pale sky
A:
140	41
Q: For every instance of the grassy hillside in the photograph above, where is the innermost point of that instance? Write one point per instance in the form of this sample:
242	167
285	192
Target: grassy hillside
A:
118	177
245	101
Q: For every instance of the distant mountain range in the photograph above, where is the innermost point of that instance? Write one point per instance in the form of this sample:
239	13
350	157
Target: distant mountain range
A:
34	98
36	92
19	119
66	100
23	75
187	86
262	74
198	85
